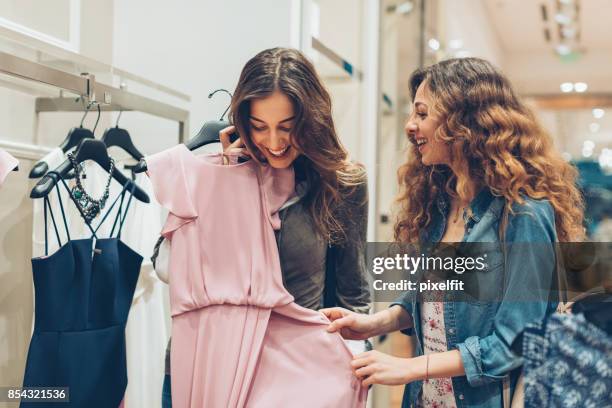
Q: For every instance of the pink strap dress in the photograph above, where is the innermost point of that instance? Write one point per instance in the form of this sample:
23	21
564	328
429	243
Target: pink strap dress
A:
238	339
7	164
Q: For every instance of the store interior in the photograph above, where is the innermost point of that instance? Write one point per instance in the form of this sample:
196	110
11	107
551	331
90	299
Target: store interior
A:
153	65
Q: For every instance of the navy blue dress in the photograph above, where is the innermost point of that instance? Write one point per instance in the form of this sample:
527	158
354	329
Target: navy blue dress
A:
83	294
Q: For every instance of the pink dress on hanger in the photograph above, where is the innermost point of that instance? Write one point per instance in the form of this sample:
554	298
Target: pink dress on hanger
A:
238	339
7	164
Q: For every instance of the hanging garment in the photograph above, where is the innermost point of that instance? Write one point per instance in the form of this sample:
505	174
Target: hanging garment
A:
7	164
238	338
83	296
147	330
568	363
53	159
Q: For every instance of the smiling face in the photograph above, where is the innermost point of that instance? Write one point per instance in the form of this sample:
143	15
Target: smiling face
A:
421	127
271	122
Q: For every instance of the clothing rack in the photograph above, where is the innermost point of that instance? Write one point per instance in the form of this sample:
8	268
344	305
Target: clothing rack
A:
109	98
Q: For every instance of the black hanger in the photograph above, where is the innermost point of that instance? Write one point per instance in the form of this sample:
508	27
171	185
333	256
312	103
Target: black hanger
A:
89	149
119	137
209	133
72	140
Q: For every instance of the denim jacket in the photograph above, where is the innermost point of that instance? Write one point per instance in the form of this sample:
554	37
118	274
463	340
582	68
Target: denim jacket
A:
484	331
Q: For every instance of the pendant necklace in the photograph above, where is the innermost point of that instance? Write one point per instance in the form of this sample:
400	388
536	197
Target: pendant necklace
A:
90	207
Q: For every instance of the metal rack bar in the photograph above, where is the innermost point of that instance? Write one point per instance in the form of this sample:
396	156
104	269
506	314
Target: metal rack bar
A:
109	98
346	66
22	68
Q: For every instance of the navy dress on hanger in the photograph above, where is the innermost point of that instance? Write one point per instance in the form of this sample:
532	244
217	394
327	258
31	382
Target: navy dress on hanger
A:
83	294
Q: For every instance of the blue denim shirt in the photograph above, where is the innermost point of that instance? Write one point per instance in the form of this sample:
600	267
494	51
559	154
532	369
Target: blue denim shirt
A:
484	331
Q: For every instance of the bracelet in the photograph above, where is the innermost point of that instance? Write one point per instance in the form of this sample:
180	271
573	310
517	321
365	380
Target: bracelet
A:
426	367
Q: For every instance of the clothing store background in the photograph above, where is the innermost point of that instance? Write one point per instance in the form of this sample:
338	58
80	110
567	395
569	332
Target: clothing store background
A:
178	52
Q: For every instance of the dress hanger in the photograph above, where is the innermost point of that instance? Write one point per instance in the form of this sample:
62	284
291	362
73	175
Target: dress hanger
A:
89	149
72	140
116	136
209	133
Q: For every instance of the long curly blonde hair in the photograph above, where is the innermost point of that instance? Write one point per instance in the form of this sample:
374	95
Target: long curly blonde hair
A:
494	141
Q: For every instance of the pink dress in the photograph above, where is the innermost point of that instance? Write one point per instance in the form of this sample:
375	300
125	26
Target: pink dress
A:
238	340
7	164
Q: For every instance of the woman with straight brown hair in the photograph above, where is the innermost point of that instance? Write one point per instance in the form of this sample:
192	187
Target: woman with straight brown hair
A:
282	114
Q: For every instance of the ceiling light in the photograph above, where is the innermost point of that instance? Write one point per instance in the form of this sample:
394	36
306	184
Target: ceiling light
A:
434	44
598	113
580	86
567	87
566	156
566	2
605	158
563	49
404	8
568	32
587	152
588	144
562	19
594	127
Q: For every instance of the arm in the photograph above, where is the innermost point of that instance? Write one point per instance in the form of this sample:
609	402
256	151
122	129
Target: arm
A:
529	270
374	367
355	326
351	279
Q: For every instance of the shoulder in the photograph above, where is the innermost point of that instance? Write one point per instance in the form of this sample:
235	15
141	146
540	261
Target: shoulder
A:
532	220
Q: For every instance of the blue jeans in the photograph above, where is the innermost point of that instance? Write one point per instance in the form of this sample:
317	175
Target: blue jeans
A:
166	393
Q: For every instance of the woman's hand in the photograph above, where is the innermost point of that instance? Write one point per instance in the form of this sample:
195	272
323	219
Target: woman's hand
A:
357	326
351	325
237	146
374	367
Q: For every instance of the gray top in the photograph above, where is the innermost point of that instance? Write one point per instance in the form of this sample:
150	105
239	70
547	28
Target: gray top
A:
303	254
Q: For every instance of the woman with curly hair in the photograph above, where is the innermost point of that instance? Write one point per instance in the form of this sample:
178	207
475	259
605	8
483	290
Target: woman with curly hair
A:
480	170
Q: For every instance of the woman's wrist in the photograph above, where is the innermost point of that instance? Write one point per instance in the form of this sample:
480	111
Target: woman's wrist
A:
388	320
399	318
419	368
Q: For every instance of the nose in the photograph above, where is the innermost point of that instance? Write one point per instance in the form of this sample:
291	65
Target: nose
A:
277	140
410	127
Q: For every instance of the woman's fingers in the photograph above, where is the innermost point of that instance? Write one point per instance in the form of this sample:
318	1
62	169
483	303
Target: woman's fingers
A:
236	147
365	371
333	313
359	362
224	137
338	324
371	380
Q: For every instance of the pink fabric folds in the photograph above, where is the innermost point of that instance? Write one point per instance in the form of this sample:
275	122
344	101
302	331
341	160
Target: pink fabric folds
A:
7	164
238	339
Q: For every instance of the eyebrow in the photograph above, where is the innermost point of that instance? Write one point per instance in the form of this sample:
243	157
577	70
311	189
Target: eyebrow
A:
417	104
282	121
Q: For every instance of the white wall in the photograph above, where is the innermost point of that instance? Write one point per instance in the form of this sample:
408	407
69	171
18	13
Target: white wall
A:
467	20
195	47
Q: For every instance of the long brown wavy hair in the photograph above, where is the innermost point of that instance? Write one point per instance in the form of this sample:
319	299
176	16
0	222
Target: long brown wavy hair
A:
323	161
495	141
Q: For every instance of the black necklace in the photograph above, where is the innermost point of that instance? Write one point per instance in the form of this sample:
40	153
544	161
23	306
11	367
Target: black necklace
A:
89	206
